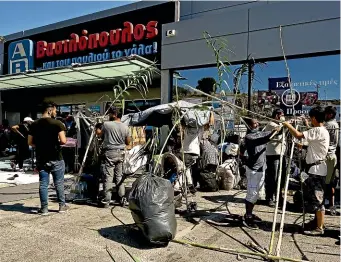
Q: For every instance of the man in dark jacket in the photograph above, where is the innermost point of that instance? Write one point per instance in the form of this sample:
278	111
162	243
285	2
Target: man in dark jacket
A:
23	151
255	143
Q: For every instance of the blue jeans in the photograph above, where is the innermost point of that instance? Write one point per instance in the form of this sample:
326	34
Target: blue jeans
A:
57	169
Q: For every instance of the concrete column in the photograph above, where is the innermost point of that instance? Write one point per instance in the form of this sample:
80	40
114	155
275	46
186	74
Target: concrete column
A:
166	91
166	86
1	73
0	109
2	52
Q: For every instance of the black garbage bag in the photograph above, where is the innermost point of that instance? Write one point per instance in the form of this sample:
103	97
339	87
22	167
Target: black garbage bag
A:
151	201
208	181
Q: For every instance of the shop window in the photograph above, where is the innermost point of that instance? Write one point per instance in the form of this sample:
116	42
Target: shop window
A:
229	84
315	81
134	106
208	80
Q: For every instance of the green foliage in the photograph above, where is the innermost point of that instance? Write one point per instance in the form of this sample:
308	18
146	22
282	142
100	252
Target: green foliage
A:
182	92
207	85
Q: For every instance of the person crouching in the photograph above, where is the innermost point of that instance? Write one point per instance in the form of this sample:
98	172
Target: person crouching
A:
255	143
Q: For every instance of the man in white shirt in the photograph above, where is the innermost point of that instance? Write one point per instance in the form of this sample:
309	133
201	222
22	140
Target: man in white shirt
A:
318	144
273	153
333	129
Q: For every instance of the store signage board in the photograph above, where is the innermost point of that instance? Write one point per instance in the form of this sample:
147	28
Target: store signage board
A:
292	103
95	108
137	32
20	56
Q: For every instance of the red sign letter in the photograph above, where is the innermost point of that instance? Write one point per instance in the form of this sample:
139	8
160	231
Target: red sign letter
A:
151	29
41	48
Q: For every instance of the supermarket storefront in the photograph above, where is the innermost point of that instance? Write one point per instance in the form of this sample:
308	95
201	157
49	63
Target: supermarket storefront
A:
79	63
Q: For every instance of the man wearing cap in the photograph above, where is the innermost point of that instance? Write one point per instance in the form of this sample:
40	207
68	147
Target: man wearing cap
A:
23	150
255	144
273	152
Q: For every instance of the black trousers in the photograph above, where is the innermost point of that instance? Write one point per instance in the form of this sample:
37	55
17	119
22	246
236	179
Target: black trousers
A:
23	154
271	176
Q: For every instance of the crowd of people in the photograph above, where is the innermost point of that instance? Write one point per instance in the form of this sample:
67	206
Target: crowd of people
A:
263	148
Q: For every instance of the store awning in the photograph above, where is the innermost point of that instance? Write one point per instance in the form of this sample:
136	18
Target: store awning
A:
77	74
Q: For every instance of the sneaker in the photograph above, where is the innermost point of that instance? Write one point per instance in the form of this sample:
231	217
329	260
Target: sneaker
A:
271	203
63	208
123	202
332	211
43	211
192	189
249	222
256	218
315	232
310	225
105	205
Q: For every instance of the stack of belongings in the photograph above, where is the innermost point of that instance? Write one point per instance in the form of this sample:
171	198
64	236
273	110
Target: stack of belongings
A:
228	171
135	159
151	201
208	164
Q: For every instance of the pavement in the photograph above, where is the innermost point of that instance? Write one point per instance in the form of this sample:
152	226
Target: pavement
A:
89	233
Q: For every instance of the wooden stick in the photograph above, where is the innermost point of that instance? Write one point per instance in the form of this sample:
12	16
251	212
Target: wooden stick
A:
86	152
301	182
232	105
235	251
279	178
279	243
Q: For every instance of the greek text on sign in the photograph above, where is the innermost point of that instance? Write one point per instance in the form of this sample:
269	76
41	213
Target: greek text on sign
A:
127	34
20	56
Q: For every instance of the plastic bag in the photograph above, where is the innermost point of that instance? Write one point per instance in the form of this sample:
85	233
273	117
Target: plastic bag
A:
151	201
228	174
134	159
208	181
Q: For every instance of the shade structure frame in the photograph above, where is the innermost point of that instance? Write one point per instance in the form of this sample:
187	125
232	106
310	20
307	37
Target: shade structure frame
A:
78	74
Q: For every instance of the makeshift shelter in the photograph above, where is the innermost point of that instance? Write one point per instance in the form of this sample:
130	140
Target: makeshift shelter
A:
158	116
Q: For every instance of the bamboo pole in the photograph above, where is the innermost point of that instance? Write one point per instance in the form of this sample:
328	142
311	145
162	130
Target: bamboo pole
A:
236	251
301	182
279	243
279	178
184	174
232	105
86	152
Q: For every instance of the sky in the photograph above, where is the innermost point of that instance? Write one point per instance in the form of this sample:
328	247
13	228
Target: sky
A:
18	16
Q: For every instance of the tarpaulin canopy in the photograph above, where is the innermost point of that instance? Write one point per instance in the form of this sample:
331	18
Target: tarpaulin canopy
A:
161	115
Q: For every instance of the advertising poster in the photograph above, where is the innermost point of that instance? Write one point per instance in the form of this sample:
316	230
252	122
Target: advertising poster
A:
293	102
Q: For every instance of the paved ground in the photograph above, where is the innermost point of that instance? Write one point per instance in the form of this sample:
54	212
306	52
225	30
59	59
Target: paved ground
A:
85	233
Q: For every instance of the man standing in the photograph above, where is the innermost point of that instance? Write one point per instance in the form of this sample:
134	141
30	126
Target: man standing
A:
273	153
255	143
116	137
318	144
23	150
47	135
331	160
